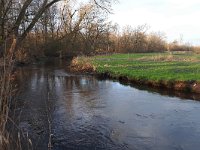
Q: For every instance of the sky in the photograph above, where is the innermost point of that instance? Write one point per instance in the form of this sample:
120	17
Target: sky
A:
178	19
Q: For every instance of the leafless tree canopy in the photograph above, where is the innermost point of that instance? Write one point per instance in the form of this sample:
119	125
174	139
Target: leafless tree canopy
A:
19	17
32	28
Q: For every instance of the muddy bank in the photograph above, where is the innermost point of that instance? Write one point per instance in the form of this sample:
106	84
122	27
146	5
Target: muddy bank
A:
184	86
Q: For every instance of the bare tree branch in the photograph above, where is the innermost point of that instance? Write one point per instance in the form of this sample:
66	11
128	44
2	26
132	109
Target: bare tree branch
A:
44	7
21	16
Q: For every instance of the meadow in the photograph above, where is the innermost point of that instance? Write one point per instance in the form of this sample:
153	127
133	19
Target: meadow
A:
177	66
168	67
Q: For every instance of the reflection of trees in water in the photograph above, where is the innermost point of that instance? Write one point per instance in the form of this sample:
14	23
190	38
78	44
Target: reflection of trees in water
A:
33	104
75	93
30	77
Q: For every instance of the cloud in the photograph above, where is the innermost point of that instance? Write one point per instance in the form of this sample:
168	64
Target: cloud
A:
174	17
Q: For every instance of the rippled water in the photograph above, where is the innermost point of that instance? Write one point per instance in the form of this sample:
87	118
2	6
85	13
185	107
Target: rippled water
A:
90	114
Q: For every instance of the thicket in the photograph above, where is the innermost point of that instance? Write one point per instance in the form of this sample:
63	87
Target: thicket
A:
101	38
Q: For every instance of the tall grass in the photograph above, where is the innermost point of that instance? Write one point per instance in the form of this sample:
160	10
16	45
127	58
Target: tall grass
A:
82	64
6	92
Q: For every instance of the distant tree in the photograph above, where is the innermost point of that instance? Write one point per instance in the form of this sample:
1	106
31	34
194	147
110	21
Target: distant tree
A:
134	40
156	42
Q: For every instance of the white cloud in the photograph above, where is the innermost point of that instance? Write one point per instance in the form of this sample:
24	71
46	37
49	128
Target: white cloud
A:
174	17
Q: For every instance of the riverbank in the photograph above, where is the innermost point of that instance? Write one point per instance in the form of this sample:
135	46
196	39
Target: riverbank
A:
177	71
89	113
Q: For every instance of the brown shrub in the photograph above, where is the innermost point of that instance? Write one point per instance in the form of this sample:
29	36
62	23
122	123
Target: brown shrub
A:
82	64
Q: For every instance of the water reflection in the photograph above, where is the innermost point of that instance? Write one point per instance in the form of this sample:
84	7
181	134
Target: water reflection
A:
87	113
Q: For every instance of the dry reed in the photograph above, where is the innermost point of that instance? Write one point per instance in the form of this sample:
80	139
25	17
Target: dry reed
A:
6	93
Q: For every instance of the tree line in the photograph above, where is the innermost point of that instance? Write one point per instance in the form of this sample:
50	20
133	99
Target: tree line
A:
32	28
29	25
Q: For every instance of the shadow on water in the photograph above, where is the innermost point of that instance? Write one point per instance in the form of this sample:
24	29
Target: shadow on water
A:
86	113
161	91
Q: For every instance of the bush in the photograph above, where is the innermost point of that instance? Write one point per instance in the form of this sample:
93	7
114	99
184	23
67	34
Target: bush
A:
52	48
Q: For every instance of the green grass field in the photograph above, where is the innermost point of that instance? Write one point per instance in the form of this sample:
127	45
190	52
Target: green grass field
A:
178	66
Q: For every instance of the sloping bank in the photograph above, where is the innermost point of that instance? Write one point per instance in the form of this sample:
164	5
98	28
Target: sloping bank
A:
179	71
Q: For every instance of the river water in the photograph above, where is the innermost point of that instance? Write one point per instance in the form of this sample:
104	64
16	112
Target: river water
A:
81	112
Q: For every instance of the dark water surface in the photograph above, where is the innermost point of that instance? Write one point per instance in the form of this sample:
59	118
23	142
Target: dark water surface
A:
84	113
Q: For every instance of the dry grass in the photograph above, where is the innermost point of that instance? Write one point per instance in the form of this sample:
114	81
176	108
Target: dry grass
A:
82	64
167	58
8	139
21	55
197	49
6	91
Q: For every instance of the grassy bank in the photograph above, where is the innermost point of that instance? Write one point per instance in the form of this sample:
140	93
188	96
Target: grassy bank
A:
180	70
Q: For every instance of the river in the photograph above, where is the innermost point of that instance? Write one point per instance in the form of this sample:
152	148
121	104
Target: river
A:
66	111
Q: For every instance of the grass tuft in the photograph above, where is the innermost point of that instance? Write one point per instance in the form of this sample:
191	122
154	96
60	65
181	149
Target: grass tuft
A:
82	64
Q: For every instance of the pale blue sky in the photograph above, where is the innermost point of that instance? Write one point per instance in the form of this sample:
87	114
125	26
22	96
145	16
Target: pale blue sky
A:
175	18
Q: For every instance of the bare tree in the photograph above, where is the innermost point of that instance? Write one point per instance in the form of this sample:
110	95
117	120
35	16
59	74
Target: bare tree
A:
156	42
25	20
134	40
